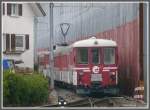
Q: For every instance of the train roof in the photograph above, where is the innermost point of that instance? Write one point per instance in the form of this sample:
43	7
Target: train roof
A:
93	41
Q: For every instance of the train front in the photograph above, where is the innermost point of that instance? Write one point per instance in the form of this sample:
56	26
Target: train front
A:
96	66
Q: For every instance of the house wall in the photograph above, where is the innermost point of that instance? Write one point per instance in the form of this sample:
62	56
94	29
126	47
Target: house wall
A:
21	25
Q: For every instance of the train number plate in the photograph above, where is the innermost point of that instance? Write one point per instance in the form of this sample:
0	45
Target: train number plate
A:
96	77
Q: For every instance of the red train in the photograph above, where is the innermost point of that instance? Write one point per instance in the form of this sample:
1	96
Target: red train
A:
88	66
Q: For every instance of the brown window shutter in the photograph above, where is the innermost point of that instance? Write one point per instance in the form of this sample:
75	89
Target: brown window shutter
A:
7	42
27	41
3	8
12	42
8	9
20	9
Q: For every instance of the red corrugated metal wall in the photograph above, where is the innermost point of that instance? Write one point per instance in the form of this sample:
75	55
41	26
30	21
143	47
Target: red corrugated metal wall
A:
127	38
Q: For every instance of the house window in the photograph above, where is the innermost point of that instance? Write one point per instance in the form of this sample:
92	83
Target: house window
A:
19	42
14	9
15	42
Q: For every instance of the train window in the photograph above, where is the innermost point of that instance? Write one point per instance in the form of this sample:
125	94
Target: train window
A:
82	56
95	56
109	55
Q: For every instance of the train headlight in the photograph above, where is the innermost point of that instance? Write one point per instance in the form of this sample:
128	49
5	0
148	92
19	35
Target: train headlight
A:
113	73
59	103
65	103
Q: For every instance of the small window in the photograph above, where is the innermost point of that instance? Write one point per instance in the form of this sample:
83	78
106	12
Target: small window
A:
82	55
109	56
14	9
15	42
95	56
19	42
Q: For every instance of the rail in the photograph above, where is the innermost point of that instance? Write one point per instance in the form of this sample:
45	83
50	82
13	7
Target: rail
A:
121	101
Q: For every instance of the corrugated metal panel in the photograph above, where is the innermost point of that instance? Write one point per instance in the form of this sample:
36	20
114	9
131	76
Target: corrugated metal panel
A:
88	19
116	21
127	38
85	19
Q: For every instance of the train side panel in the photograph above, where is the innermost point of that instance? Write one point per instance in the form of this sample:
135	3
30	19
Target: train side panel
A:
64	72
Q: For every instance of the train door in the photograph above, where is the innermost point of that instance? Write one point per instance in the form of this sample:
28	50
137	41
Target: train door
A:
95	66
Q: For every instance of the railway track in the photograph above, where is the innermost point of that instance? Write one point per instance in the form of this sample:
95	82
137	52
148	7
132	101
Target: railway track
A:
95	100
106	102
102	102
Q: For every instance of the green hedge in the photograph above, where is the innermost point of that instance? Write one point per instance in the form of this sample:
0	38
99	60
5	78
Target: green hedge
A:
24	90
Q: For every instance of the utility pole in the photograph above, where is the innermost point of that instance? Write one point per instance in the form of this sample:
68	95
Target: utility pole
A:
35	42
51	57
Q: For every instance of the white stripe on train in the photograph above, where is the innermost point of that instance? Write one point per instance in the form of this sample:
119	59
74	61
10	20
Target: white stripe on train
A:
110	68
86	70
89	68
81	68
106	70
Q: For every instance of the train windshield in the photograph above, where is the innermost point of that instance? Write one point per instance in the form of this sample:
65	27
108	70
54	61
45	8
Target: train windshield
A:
109	55
95	56
82	55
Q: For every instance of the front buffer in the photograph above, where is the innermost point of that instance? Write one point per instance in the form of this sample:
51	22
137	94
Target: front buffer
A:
110	90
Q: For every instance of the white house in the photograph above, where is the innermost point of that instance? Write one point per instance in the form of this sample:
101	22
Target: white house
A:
18	31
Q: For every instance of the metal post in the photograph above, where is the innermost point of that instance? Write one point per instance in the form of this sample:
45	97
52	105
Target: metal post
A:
51	59
35	41
145	52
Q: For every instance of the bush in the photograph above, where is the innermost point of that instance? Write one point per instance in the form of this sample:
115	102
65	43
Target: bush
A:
24	90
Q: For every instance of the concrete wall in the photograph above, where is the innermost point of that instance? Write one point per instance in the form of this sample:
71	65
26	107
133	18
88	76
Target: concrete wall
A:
21	25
